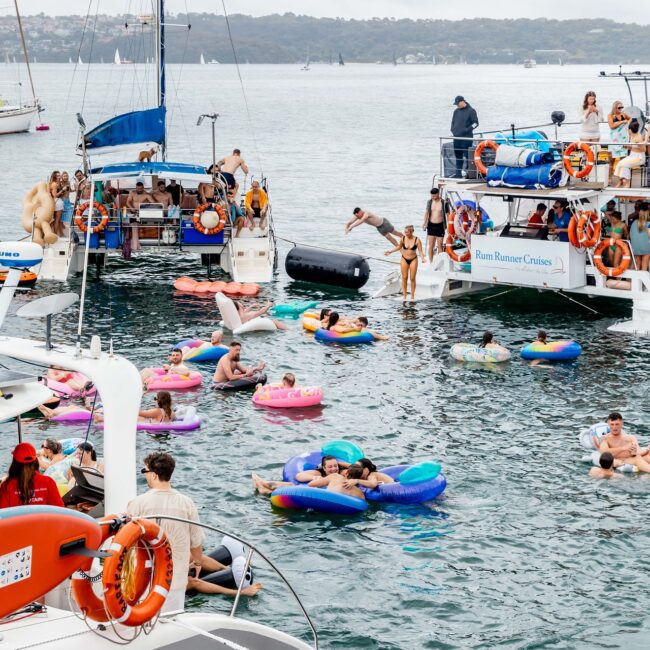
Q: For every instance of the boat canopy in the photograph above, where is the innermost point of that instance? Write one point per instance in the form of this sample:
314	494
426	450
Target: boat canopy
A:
177	171
129	128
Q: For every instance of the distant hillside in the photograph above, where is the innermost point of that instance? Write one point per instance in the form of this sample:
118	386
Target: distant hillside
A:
290	38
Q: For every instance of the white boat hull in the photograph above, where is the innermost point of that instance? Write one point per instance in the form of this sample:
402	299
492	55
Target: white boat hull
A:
17	120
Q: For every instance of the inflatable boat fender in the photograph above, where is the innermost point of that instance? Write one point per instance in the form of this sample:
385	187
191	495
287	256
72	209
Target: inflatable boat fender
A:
344	270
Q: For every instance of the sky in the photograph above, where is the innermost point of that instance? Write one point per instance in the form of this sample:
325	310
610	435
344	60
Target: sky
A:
361	9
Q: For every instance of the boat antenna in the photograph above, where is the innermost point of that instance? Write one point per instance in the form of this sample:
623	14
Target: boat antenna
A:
213	118
82	128
29	70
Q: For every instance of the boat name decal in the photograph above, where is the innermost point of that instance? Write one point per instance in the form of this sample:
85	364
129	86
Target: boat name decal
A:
527	259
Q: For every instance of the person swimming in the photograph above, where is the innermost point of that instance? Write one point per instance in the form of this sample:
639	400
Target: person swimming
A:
341	484
328	465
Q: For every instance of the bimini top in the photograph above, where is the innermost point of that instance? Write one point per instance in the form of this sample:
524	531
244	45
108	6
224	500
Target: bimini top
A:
178	171
129	128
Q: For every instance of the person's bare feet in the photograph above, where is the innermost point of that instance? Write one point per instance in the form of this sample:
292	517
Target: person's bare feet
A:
252	590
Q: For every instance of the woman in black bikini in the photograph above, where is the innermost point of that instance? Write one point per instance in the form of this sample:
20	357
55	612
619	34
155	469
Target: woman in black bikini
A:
411	247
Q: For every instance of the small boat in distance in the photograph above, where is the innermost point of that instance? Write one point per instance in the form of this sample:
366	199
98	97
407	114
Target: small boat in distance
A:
202	60
341	62
119	61
530	63
306	66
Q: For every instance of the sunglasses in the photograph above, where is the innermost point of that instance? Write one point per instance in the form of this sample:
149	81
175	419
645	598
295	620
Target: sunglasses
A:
144	470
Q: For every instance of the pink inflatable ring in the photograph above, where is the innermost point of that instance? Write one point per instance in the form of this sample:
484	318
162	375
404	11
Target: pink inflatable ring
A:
286	398
172	381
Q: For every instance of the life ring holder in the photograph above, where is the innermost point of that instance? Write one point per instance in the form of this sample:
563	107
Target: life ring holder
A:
608	271
457	224
571	149
479	151
196	219
449	247
80	222
589	218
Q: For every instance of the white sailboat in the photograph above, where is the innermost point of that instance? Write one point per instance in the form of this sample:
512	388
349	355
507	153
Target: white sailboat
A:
79	61
306	66
202	60
119	61
19	116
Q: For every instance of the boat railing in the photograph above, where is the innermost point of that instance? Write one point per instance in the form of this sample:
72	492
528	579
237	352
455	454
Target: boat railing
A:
249	556
602	156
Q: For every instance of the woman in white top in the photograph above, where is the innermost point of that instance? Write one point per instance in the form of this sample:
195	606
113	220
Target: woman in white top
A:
591	116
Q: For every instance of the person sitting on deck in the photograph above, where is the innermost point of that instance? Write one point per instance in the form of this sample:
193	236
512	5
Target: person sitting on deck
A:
536	219
162	196
257	205
137	197
561	218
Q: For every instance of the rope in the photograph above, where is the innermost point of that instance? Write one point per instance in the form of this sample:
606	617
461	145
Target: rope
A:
76	64
335	250
241	82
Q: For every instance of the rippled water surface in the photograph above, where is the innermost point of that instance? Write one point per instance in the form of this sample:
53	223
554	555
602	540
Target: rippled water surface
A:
523	550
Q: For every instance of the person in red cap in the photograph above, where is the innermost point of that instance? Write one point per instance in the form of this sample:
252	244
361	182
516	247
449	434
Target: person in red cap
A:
24	486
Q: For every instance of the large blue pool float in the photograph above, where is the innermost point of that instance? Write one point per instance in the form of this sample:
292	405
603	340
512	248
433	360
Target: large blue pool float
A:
211	353
552	351
301	497
349	338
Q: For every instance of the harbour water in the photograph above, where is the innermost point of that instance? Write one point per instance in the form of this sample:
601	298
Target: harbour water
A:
523	550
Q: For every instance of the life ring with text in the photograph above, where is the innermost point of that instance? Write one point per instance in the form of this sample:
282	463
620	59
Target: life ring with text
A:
612	271
570	150
136	532
197	219
80	222
491	144
588	229
449	243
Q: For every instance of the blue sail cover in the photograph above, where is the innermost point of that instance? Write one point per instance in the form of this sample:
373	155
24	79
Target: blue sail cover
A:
531	178
129	128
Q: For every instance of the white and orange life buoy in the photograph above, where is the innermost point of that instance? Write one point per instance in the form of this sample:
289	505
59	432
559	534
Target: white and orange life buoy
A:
479	151
612	271
588	229
464	224
572	231
449	249
570	150
80	222
221	213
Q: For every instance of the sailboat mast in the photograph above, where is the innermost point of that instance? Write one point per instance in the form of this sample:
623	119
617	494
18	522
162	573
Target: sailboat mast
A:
22	38
160	61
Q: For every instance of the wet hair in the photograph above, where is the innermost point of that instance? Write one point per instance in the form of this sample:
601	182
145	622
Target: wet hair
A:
289	378
236	152
634	126
617	214
235	344
176	350
53	176
332	320
323	460
487	338
542	336
366	463
435	190
161	183
24	475
363	319
164	401
585	103
86	446
541	206
610	202
409	227
355	471
53	445
356	210
606	460
614	416
323	313
161	464
139	184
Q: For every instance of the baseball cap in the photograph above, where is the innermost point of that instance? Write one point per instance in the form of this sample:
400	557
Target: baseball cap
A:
458	100
24	453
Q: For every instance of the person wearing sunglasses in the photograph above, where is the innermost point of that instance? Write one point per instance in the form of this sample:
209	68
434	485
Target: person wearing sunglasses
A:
162	499
618	121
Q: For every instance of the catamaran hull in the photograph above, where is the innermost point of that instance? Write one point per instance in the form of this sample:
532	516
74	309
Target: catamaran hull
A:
18	120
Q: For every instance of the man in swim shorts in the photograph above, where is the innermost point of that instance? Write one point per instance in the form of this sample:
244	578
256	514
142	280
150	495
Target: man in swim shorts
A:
623	447
229	368
174	367
384	227
434	223
228	167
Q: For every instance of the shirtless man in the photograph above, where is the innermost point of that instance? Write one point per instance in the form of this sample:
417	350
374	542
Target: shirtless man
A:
175	366
229	165
623	447
384	227
206	191
229	367
339	483
606	467
434	223
162	196
362	324
137	197
216	339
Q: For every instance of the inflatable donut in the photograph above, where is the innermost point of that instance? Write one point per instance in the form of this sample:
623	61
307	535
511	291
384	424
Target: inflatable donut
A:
82	415
295	397
245	383
184	284
301	497
172	381
552	351
201	350
476	354
349	338
310	321
66	391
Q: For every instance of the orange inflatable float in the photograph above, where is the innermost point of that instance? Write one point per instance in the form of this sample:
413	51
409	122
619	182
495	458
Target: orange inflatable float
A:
207	286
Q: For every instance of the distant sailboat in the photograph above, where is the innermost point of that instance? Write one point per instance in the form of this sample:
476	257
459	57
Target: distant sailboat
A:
341	62
7	58
331	59
394	59
202	60
214	62
79	61
69	60
306	66
118	61
101	59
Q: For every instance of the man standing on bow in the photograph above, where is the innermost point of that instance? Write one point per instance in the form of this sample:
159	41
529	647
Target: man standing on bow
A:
463	122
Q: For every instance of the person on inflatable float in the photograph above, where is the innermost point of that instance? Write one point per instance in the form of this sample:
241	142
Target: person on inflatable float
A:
606	467
623	447
66	377
339	483
246	315
174	367
362	323
488	341
328	465
370	476
216	339
210	565
229	368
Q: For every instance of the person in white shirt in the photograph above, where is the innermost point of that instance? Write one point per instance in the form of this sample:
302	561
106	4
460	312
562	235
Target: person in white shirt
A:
590	118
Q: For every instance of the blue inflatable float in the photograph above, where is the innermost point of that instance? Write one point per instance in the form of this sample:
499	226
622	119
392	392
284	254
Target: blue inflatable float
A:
349	338
293	309
301	497
552	351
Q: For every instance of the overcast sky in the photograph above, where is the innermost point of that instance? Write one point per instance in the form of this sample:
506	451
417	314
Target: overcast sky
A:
561	9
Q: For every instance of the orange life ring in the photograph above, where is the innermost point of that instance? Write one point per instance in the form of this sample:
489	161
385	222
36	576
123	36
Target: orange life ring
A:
197	219
80	222
449	241
586	149
479	150
615	271
118	607
573	232
587	219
